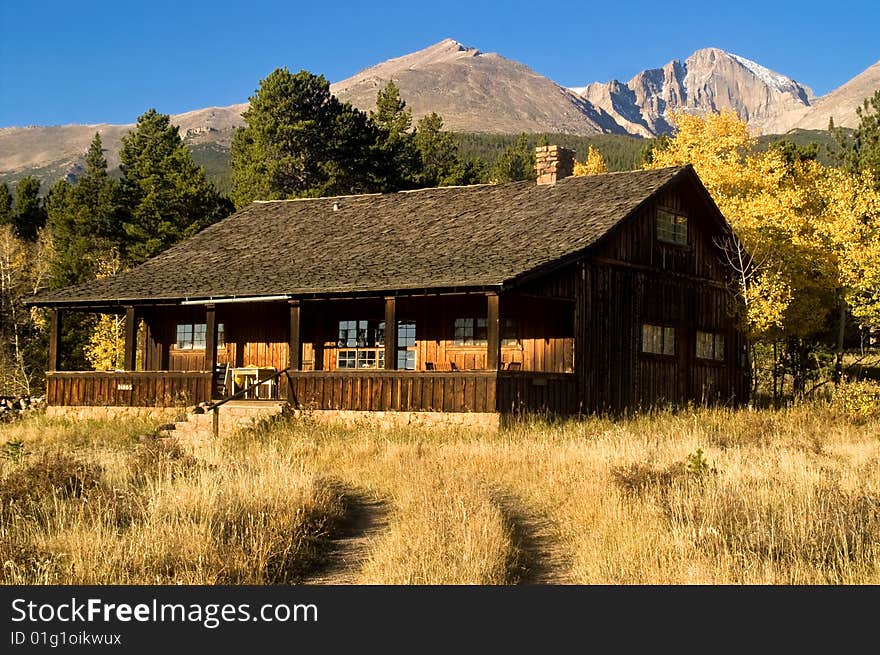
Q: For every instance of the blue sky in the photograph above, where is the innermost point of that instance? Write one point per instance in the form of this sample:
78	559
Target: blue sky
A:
90	62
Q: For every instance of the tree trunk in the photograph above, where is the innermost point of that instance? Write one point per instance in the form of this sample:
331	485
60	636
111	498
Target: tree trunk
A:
841	333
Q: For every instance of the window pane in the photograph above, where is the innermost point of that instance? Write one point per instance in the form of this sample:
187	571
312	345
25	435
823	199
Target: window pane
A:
719	347
221	335
509	332
406	333
366	359
705	344
668	341
481	333
671	228
184	336
658	339
651	339
378	334
463	331
406	360
199	331
346	359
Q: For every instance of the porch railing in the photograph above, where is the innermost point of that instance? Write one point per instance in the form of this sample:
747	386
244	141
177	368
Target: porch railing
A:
371	390
128	388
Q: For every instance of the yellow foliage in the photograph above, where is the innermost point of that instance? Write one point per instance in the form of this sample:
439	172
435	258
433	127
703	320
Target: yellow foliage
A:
105	350
594	164
813	229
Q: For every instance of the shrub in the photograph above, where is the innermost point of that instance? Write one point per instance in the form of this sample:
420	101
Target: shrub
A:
156	456
52	473
858	399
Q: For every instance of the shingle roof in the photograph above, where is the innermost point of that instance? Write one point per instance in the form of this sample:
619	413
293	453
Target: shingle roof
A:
455	237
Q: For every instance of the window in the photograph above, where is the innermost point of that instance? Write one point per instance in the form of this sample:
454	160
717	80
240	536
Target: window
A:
474	332
710	345
470	331
361	334
672	228
658	339
362	345
193	336
406	345
509	332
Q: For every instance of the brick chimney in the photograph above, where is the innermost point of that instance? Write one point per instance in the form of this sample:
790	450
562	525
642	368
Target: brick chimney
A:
553	163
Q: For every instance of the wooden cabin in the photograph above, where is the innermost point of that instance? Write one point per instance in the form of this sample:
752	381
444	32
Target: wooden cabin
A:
572	295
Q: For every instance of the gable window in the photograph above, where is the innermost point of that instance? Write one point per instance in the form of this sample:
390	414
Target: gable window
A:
193	336
474	332
672	228
710	345
658	339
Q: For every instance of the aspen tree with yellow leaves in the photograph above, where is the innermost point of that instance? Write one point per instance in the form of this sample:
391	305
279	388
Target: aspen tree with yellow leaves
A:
105	350
594	164
810	234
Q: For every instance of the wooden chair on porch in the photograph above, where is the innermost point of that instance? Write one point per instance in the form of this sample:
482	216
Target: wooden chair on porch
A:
221	380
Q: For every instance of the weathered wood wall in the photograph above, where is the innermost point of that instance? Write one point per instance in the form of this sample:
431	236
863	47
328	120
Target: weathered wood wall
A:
635	279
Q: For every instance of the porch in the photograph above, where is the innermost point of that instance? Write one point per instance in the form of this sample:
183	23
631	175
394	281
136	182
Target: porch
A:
356	390
477	351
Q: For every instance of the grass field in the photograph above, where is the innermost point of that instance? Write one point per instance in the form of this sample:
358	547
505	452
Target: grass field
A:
704	496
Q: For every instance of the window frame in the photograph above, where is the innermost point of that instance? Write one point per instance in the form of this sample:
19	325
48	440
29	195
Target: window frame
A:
509	332
190	342
668	334
715	357
368	351
668	237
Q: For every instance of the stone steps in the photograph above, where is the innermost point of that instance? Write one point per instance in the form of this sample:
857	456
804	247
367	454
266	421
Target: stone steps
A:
232	416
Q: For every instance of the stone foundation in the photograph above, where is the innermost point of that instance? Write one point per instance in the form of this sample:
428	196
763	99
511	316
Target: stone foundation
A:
84	413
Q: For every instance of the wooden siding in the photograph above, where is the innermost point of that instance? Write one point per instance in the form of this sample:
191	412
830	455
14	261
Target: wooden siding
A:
540	393
545	331
134	389
635	241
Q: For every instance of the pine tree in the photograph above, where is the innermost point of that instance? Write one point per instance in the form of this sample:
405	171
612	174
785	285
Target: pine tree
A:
867	136
83	219
399	162
516	163
28	215
441	165
5	205
299	140
164	195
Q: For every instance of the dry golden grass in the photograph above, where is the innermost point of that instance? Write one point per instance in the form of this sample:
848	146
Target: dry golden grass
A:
706	496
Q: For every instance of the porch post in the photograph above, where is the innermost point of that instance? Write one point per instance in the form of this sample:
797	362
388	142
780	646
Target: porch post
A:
54	340
210	338
390	333
294	360
128	362
493	332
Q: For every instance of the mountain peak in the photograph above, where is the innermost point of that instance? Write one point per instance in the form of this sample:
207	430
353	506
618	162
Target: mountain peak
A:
710	79
442	52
